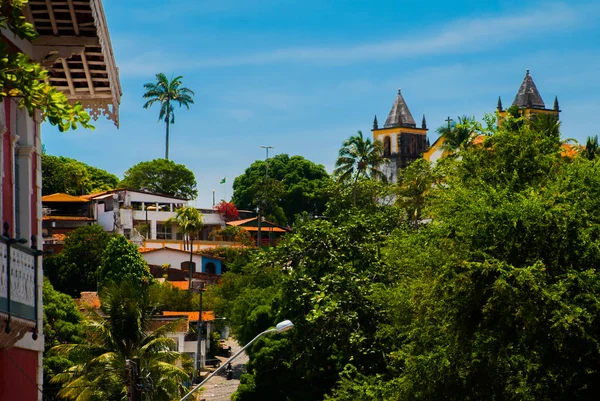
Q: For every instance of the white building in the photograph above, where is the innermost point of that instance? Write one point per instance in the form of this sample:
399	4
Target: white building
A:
143	216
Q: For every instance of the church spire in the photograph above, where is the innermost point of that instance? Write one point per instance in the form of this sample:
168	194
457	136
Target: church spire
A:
375	123
499	104
556	103
400	114
528	95
424	123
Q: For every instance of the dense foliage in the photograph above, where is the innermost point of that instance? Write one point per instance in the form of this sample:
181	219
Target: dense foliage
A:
25	81
295	185
62	325
477	280
123	331
75	269
70	176
121	261
227	210
161	176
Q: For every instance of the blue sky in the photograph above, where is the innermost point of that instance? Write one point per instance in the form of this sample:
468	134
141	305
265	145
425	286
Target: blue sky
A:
302	76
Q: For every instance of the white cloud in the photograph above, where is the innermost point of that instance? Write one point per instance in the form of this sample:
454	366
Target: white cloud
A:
458	37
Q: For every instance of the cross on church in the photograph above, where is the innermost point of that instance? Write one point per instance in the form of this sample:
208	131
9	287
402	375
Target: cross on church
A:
448	120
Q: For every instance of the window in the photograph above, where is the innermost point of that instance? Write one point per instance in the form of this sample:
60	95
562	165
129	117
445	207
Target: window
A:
164	231
136	205
211	268
185	266
386	146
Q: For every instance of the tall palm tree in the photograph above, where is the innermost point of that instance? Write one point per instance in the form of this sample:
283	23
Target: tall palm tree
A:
167	94
189	222
120	333
458	135
359	157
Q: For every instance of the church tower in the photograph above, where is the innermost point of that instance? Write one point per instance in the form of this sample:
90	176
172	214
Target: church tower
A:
402	141
529	101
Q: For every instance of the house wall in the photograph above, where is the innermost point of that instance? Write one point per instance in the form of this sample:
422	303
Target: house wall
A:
19	368
173	258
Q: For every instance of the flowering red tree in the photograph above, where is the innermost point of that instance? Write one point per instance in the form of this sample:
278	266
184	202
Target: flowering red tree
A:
228	211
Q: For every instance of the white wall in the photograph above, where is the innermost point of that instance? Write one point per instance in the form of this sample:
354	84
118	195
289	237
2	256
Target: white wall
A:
173	258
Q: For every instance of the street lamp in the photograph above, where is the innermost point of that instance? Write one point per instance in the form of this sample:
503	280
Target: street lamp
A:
280	328
258	236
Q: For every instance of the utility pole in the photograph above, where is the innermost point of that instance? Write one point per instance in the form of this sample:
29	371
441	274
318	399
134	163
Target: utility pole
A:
199	360
134	392
267	147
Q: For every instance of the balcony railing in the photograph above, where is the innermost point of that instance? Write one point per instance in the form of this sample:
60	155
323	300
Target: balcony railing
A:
18	278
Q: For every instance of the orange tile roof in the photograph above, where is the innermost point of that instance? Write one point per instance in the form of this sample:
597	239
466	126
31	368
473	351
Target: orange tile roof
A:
181	285
265	229
192	316
60	197
239	222
67	218
90	299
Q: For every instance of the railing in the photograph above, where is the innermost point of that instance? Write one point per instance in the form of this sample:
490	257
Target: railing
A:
18	279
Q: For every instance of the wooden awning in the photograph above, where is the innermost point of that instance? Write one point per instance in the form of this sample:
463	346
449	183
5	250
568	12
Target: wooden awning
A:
74	45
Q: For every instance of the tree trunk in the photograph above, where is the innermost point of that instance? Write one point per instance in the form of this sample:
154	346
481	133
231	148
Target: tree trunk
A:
167	140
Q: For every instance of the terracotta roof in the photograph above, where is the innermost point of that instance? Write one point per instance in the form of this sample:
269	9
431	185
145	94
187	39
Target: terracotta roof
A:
400	114
60	197
192	316
59	237
528	95
67	218
181	285
239	222
90	299
265	229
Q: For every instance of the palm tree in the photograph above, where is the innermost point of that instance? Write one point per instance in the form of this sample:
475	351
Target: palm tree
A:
359	157
167	93
189	222
119	334
457	135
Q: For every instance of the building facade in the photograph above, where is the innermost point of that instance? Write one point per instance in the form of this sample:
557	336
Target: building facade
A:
74	45
403	142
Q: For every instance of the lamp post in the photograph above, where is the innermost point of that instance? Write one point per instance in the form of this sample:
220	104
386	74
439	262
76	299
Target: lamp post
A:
280	328
258	236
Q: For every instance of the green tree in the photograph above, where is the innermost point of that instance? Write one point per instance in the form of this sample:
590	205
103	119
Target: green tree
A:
121	261
25	81
123	331
167	94
458	136
295	185
161	176
75	269
591	147
359	158
62	325
70	176
189	222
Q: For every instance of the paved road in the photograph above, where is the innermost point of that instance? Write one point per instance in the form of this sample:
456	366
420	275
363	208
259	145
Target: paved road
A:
219	388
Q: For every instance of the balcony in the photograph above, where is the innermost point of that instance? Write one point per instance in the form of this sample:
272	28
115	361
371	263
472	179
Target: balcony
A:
18	290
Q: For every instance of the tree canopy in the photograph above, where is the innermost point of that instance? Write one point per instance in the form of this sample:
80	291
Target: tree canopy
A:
70	176
25	81
123	331
162	176
121	261
75	269
295	185
62	325
489	293
167	94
